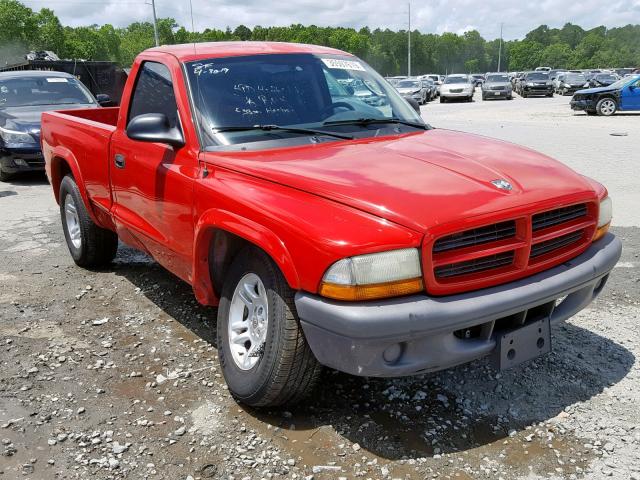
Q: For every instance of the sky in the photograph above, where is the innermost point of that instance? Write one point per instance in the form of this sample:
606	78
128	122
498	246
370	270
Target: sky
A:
433	16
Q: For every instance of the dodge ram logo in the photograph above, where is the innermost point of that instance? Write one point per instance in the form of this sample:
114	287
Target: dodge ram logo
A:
501	184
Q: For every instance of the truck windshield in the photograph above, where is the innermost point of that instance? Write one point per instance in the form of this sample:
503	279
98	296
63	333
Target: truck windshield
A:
42	90
341	94
497	78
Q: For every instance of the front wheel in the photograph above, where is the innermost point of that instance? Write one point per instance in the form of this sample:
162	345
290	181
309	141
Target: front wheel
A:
90	245
606	107
4	176
442	99
264	355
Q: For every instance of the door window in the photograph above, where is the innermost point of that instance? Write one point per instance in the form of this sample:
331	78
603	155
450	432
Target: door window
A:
153	93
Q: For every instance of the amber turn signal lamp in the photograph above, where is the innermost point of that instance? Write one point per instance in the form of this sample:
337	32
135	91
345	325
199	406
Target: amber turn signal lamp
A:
352	293
601	232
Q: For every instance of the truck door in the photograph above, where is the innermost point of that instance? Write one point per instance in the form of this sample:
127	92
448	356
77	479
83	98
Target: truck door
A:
631	96
152	183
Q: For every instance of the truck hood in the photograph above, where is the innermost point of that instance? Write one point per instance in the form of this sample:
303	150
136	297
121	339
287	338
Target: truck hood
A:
418	180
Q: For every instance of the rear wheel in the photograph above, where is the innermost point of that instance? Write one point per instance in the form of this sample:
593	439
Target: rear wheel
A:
264	355
90	245
606	107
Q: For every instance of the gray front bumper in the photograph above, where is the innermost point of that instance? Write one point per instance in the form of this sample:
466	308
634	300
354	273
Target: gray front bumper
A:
415	334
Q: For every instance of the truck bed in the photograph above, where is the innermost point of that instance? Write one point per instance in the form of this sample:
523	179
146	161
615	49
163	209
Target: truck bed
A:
82	137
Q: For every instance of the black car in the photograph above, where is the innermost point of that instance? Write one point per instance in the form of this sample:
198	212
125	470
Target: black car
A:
24	95
535	83
602	80
569	83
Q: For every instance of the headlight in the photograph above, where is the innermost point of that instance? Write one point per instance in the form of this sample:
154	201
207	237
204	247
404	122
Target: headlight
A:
377	275
604	218
13	137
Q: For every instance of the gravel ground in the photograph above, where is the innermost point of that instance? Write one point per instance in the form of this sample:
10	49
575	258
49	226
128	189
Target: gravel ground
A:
113	374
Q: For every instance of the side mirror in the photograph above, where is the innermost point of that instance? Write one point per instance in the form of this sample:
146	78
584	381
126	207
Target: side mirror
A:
104	99
414	104
154	128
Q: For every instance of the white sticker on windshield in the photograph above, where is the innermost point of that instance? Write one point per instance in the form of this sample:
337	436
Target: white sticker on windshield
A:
56	80
343	64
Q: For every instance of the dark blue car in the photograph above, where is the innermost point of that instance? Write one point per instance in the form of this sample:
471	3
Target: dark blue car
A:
24	95
623	95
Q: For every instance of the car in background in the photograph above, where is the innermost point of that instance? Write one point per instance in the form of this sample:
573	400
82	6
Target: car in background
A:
535	83
24	95
603	80
432	87
437	80
478	79
567	83
395	80
624	71
457	86
515	80
497	85
553	74
414	88
623	95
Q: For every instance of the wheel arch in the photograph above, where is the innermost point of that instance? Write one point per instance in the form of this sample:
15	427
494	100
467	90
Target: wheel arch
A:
219	236
62	163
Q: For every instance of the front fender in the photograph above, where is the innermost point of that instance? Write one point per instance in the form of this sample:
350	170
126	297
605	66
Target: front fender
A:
218	219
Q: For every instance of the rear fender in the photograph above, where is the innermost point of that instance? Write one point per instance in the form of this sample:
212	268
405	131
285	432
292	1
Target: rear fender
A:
59	156
249	230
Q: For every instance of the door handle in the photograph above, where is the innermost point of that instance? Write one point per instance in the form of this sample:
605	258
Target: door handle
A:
119	160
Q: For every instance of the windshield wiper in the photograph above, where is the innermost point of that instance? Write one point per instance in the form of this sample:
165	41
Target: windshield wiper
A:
269	128
374	121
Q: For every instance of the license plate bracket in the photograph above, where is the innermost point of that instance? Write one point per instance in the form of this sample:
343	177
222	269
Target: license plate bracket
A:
522	344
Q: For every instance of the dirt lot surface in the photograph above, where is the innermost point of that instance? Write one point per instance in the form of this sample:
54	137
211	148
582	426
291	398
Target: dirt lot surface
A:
114	374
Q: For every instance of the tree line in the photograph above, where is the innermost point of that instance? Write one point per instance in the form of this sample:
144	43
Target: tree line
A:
23	29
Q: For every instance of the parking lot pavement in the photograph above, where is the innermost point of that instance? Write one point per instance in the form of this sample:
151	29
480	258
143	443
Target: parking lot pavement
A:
604	148
113	374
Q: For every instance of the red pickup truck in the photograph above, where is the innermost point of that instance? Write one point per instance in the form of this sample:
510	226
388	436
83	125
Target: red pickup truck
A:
295	189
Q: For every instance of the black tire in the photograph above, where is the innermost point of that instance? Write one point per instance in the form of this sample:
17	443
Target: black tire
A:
442	99
606	106
287	371
4	176
484	97
98	246
509	97
523	95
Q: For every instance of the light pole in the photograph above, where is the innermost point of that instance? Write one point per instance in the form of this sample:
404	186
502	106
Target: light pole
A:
155	22
500	48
